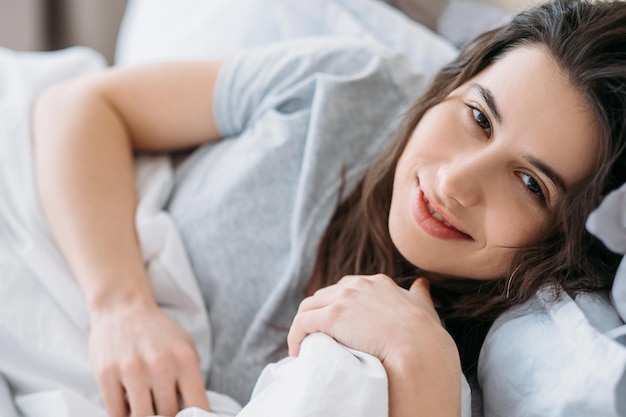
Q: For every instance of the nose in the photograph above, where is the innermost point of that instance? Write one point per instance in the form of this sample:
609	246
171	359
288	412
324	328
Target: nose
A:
465	178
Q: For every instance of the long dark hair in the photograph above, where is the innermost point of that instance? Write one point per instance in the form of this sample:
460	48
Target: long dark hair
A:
588	41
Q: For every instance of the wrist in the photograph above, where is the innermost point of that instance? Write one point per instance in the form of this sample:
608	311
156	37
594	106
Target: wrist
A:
425	380
117	290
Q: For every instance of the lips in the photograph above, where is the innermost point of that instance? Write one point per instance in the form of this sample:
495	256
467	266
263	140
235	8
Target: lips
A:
435	214
433	222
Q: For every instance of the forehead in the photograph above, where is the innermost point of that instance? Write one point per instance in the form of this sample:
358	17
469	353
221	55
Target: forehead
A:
542	113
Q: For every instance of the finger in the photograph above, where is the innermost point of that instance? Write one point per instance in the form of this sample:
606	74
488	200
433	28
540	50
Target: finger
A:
304	324
346	281
139	398
296	335
192	390
421	287
357	280
113	396
165	397
316	301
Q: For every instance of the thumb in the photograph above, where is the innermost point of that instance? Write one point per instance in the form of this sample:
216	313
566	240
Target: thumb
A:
421	287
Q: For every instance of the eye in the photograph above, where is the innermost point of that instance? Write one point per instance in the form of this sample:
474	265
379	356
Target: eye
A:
532	186
481	119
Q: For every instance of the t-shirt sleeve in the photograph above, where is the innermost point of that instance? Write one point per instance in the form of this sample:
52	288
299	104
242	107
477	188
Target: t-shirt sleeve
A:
283	77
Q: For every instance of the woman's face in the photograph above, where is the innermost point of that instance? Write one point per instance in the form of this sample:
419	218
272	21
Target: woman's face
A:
484	169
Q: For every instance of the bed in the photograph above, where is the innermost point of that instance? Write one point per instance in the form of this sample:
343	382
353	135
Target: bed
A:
542	359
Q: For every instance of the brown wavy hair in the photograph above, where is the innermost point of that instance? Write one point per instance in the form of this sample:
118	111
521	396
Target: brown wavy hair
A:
588	41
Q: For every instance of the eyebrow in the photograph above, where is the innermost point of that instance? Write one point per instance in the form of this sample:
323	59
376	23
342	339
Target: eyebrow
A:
548	172
544	168
491	102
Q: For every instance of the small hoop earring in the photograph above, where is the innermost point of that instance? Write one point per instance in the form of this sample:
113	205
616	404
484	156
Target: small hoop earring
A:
509	280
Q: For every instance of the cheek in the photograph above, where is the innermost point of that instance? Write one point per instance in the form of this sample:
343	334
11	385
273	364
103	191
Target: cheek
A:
513	224
433	133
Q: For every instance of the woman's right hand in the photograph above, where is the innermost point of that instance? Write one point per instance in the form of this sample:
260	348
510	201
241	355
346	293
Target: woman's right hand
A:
145	364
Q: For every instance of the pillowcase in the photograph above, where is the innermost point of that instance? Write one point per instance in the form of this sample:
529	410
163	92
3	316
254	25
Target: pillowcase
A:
608	223
554	359
6	399
157	30
44	321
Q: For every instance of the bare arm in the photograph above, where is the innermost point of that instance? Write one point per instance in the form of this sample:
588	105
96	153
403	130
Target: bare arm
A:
86	131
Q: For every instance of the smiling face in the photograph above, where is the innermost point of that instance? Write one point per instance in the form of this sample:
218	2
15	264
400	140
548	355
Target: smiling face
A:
484	169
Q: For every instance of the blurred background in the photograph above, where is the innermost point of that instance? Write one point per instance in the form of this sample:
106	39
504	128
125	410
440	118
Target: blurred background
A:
41	25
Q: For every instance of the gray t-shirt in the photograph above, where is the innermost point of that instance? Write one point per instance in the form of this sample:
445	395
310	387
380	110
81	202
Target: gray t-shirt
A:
302	121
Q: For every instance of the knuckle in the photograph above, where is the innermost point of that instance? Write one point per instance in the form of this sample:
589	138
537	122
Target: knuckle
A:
131	368
334	311
380	277
160	369
347	292
347	279
305	304
106	372
187	357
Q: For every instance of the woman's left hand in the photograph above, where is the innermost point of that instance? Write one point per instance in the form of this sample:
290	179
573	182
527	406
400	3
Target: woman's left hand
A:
401	328
371	314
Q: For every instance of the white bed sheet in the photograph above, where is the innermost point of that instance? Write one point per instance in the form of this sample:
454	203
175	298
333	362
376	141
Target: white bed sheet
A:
43	315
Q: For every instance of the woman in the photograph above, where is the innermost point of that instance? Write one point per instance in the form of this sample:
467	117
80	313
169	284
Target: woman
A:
484	191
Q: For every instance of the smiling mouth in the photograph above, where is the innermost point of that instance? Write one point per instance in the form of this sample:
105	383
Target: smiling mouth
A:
437	215
433	222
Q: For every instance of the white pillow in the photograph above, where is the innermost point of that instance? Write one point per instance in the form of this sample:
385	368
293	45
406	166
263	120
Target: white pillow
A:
6	399
157	30
608	222
554	360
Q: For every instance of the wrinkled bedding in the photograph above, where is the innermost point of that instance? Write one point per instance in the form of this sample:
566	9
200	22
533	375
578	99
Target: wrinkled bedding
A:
44	365
540	359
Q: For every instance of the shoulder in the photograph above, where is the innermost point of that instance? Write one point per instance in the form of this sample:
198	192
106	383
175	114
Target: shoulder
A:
331	55
305	65
322	47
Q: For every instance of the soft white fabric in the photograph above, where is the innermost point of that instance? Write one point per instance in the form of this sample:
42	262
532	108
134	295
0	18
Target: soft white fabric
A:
463	20
43	315
7	408
43	321
300	385
153	30
547	359
326	379
608	222
322	362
